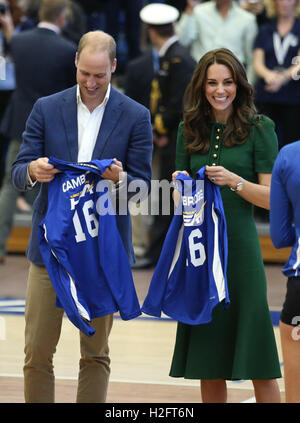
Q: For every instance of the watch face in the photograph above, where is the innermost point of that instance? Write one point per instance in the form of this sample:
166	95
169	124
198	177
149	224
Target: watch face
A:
239	186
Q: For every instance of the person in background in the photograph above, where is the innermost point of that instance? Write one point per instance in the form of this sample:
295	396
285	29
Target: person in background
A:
257	7
175	68
215	24
276	60
13	20
76	24
285	232
138	79
44	64
222	131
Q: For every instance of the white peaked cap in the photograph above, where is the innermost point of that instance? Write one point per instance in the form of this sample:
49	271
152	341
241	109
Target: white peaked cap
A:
159	14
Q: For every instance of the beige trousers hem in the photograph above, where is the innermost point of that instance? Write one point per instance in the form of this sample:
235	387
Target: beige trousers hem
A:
43	321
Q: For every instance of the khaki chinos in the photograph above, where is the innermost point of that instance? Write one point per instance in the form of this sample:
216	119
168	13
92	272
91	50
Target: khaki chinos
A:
43	321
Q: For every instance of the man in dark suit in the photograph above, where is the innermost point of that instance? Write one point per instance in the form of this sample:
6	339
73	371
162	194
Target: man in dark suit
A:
44	64
91	120
139	75
166	105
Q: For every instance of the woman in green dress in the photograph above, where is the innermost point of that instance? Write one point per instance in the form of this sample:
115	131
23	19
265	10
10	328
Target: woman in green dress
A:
222	130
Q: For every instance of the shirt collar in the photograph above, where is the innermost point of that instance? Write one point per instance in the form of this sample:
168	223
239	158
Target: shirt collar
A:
48	25
104	102
167	44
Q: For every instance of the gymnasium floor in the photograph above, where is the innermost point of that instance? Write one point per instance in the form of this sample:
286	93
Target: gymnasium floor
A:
141	349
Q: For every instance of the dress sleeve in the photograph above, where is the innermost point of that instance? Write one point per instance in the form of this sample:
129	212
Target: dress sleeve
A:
182	158
265	145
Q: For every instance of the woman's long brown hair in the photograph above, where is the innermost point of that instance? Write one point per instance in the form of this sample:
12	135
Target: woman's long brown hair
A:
197	110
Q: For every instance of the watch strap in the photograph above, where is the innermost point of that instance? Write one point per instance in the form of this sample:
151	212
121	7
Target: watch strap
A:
239	186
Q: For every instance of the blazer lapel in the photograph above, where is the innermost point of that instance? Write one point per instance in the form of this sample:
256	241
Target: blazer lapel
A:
110	119
69	113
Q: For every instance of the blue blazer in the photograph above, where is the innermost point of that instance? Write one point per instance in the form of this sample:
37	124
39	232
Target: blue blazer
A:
51	130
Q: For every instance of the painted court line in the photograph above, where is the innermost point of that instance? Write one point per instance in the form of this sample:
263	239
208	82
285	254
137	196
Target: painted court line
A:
17	306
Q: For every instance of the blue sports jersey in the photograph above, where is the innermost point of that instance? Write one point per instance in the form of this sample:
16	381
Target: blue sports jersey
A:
190	277
285	205
82	248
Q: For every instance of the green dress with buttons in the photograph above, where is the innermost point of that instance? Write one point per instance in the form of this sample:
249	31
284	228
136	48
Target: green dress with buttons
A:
239	342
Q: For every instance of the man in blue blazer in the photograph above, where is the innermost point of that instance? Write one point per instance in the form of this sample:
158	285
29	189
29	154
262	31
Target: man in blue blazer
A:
91	120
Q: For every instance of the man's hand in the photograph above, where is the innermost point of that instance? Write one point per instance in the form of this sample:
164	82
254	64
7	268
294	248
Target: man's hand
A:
42	171
113	171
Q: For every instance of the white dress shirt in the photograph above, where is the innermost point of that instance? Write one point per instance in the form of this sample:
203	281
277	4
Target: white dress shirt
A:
88	129
88	126
167	44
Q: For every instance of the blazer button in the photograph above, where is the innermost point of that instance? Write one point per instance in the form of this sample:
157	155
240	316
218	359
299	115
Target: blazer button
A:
218	130
215	156
213	164
217	137
216	147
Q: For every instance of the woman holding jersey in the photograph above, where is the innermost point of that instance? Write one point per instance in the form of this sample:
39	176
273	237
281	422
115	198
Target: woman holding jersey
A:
222	130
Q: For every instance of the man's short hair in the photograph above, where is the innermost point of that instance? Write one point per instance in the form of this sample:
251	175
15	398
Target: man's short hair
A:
98	41
50	10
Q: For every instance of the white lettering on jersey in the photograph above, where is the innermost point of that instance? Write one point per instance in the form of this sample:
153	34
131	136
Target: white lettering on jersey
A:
88	188
90	220
73	183
197	250
192	200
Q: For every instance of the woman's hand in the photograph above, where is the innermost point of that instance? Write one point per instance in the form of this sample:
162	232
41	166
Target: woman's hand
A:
176	194
175	174
257	194
219	175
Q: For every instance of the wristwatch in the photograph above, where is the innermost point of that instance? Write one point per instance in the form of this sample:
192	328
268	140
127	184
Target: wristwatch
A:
239	186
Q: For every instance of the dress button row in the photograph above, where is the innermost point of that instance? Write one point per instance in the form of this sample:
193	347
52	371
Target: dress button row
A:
215	156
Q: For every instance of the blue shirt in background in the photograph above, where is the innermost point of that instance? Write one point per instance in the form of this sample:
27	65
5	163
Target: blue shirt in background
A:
285	205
